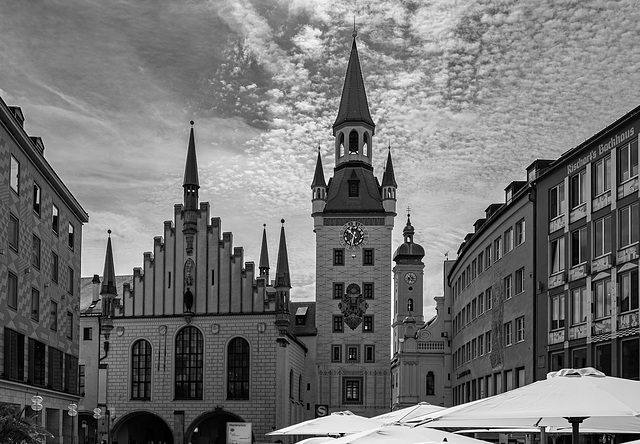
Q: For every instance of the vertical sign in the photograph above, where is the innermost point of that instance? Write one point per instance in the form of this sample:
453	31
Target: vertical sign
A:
239	433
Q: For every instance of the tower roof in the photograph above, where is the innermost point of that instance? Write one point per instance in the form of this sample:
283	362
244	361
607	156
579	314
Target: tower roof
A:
389	177
109	274
318	177
408	252
353	104
191	165
264	252
282	268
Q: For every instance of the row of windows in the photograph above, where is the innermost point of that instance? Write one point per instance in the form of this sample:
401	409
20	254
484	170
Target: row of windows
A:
368	256
338	324
14	184
339	290
489	385
189	367
430	383
511	238
602	235
36	305
483	302
601	173
352	353
601	300
61	373
36	251
471	350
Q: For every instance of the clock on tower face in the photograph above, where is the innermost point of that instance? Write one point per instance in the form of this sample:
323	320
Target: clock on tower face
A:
353	235
410	278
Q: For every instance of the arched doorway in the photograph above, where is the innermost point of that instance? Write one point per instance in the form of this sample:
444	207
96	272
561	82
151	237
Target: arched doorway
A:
211	427
141	428
87	429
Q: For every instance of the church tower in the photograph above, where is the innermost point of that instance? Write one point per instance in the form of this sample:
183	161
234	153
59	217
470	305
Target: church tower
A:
353	221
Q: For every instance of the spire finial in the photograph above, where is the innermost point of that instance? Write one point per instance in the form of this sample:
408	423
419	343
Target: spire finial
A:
109	232
354	33
192	123
282	221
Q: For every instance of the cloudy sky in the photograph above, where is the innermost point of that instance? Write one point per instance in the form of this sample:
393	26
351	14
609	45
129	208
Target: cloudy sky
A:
467	93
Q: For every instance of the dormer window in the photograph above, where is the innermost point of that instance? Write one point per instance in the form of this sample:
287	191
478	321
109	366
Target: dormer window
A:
353	142
301	315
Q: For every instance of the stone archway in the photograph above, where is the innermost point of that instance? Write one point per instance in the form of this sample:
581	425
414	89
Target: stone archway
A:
211	427
141	428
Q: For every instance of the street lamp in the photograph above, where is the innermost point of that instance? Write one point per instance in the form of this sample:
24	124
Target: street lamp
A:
37	405
73	412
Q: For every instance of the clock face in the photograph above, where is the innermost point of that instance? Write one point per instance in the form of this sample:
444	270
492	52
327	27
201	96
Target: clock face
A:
410	278
353	235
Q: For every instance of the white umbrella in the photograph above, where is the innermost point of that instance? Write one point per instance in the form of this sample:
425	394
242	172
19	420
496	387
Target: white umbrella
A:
399	434
315	440
583	396
408	415
337	423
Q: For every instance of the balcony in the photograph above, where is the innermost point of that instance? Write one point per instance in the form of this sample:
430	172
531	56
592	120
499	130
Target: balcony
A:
627	254
578	331
628	320
578	272
627	188
601	326
556	337
556	280
602	263
557	223
601	201
578	213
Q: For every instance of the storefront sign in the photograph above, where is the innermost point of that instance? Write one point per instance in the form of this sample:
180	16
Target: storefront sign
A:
239	432
602	149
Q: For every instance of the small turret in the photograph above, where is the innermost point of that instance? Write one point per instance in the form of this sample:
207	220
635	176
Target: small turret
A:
389	186
282	285
318	188
191	186
108	291
263	267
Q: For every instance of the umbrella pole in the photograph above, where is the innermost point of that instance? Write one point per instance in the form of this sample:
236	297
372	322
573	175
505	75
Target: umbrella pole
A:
543	435
575	424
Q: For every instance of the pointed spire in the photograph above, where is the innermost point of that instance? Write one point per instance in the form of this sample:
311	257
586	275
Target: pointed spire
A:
353	104
264	253
408	230
191	166
109	274
318	177
282	268
389	177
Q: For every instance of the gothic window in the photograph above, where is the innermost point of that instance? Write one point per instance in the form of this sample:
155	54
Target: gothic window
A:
353	142
141	370
341	146
189	364
431	385
299	387
365	145
238	369
291	384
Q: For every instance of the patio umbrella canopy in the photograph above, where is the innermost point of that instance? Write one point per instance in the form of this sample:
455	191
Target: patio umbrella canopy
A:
399	434
337	423
580	397
408	415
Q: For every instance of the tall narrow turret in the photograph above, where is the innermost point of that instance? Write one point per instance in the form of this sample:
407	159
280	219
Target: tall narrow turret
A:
389	186
318	188
282	284
108	291
263	267
190	186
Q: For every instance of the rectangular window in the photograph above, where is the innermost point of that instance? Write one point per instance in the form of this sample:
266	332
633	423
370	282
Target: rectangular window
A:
36	198
474	348
520	280
629	227
629	351
497	249
12	291
628	291
488	302
557	311
602	176
81	379
14	179
54	267
14	232
353	353
13	354
578	305
367	256
338	290
487	341
520	329
474	309
55	220
87	334
578	190
71	278
556	201
507	288
556	255
71	236
508	334
352	391
520	232
336	353
602	236
508	240
368	290
603	358
35	304
71	374
480	303
628	161
603	298
37	355
55	368
338	256
367	323
369	353
578	246
487	257
480	345
69	325
35	251
480	262
338	325
557	361
53	324
474	270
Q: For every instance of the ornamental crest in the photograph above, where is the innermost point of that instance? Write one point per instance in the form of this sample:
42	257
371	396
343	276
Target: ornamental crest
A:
353	306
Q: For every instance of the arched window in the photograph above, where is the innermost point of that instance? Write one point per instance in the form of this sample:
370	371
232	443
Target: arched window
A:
365	145
291	383
189	364
341	153
431	384
410	304
238	369
141	370
353	142
300	388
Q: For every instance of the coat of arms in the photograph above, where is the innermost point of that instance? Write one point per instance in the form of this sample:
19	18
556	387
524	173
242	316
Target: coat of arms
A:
353	306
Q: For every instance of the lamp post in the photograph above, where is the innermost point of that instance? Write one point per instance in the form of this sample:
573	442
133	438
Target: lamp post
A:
37	405
73	412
